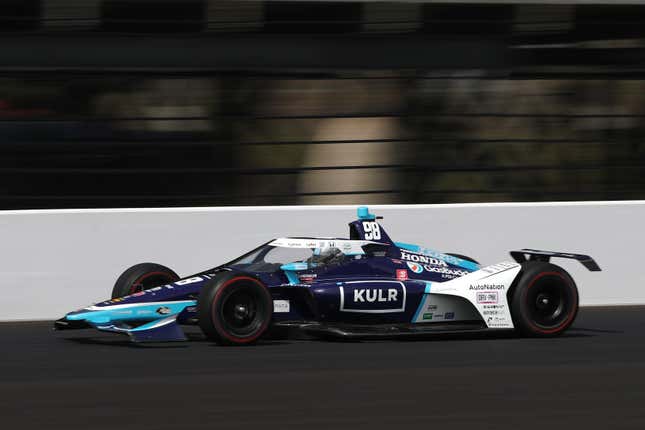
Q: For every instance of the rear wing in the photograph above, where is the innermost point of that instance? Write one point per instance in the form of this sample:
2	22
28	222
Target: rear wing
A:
536	255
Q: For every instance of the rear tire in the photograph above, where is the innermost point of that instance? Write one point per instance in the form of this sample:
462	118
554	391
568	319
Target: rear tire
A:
234	309
142	277
544	301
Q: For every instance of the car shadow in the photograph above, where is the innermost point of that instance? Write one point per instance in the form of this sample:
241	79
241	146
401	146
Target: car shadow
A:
259	344
199	338
442	337
596	330
125	343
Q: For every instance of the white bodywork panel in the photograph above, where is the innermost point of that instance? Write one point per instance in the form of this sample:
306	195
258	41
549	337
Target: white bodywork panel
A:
485	289
439	308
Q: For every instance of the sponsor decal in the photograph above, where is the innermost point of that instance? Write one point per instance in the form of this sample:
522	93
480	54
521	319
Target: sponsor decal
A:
415	267
487	287
162	287
444	257
163	310
437	316
281	306
432	307
495	321
372	296
307	278
446	271
493	306
395	261
155	289
401	274
424	259
487	297
346	246
375	295
187	281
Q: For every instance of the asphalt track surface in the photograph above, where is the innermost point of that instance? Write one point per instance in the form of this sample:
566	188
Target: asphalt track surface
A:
591	378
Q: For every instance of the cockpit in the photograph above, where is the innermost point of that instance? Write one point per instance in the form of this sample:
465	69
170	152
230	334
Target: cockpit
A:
307	253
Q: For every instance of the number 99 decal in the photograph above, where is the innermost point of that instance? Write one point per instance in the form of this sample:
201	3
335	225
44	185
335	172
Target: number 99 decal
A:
372	230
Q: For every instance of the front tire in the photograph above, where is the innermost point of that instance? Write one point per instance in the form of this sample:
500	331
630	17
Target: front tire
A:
142	277
234	309
544	301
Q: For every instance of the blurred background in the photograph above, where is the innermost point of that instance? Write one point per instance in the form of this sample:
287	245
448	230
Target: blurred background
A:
135	103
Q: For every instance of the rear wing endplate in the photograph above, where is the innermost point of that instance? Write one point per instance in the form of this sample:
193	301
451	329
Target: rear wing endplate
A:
536	255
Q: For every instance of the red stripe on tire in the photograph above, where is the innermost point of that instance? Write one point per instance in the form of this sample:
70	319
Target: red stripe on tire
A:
565	322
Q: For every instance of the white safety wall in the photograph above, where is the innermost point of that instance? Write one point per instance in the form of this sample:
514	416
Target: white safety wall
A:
52	262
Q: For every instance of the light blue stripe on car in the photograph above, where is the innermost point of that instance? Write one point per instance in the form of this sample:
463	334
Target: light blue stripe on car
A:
408	246
456	261
130	312
428	286
292	277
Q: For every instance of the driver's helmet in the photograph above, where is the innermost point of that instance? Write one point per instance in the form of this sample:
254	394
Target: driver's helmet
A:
325	255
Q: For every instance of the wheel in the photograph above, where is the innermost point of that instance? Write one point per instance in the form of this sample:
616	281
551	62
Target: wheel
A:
463	257
545	300
234	309
142	277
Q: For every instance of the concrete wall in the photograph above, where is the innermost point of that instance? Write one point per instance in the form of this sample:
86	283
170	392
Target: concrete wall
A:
52	262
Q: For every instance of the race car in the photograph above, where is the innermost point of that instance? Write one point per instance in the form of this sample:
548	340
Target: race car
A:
362	287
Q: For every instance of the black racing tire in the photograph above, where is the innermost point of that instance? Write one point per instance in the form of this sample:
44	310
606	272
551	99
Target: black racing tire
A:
463	257
234	309
544	302
142	277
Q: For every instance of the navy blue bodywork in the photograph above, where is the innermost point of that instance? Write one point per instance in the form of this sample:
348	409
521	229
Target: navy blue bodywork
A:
383	284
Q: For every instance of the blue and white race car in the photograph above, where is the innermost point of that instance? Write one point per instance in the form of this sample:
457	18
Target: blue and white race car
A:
363	287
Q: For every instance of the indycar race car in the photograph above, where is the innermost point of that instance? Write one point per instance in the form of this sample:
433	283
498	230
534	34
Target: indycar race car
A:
364	287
